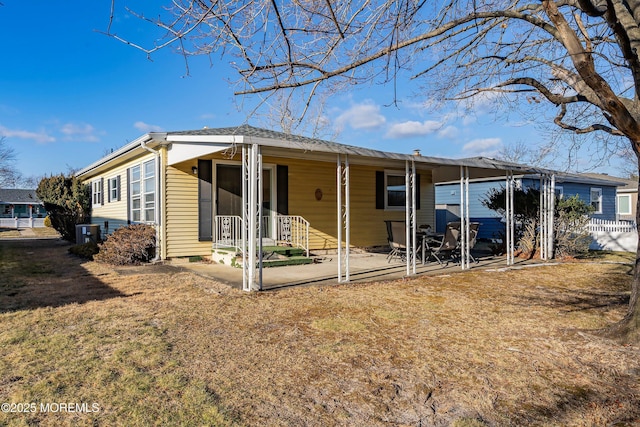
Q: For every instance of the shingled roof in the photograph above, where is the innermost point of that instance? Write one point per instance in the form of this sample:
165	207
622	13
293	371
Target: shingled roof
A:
18	196
248	130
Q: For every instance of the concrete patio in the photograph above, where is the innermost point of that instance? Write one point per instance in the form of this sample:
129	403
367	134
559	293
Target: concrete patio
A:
364	267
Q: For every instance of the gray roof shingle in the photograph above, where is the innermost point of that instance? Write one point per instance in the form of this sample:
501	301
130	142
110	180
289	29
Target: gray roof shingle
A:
18	196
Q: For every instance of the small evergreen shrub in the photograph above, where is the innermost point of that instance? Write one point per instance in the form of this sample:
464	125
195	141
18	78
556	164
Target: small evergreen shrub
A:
85	250
131	245
47	222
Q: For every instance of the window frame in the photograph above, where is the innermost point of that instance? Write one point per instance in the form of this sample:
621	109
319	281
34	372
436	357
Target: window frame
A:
143	174
394	173
96	192
114	188
628	197
597	210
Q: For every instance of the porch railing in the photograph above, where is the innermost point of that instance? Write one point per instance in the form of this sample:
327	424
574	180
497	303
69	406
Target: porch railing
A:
227	231
293	230
290	230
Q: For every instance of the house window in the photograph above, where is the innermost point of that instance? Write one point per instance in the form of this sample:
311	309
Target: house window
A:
114	189
142	192
96	193
596	200
624	204
395	191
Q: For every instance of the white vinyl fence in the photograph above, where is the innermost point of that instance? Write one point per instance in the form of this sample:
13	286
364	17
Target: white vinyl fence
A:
21	222
607	235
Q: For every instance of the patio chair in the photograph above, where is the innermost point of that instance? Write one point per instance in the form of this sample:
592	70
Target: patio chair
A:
473	235
450	246
397	238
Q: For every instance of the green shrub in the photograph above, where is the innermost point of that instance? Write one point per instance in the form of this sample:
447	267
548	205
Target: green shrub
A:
47	221
129	245
67	201
85	250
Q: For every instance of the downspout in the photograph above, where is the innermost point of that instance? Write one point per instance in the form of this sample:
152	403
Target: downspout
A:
158	256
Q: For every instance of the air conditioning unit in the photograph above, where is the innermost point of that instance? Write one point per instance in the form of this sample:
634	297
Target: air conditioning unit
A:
86	233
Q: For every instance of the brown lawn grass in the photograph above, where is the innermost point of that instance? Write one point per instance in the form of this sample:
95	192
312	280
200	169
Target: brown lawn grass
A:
157	346
12	233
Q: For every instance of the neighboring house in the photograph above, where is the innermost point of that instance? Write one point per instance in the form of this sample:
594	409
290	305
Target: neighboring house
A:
626	195
190	185
16	203
596	191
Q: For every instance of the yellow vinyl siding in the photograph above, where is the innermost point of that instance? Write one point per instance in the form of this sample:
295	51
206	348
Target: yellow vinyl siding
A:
114	212
367	223
305	177
182	213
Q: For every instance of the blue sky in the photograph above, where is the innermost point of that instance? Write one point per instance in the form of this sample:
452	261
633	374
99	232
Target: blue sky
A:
69	93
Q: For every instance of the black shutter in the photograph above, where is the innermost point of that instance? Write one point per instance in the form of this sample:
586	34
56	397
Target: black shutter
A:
379	190
205	200
119	190
282	182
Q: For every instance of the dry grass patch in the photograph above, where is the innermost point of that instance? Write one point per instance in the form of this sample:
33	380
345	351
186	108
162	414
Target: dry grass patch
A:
9	233
153	345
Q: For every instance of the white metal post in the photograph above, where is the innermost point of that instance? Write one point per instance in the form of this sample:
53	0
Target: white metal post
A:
260	212
461	212
510	224
507	228
513	216
252	214
343	217
467	231
552	203
414	225
545	212
347	218
339	214
463	217
542	217
407	217
245	202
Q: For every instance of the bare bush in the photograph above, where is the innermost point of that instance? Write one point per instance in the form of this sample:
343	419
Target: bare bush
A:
131	245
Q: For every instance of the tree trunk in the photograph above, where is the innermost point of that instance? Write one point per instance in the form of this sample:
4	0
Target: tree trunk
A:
628	329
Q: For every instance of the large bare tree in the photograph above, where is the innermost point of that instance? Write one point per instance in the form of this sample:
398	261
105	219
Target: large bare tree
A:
8	172
575	59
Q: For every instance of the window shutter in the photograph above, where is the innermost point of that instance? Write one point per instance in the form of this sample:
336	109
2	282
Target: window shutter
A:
119	190
379	190
282	183
109	190
205	200
101	191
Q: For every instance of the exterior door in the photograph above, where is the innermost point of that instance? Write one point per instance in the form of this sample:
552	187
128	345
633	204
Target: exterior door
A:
229	190
229	195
